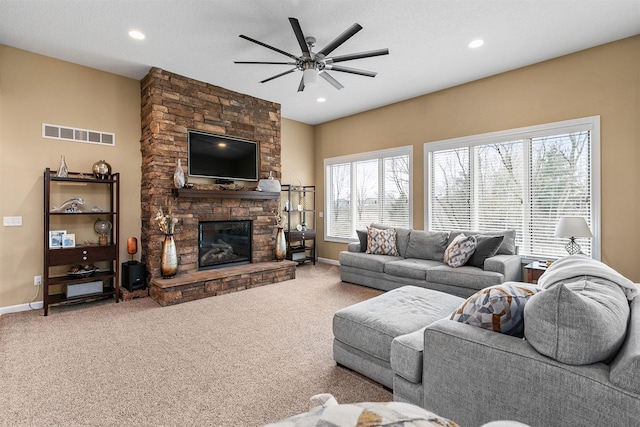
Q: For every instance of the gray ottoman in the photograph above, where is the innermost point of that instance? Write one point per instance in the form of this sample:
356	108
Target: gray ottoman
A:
364	332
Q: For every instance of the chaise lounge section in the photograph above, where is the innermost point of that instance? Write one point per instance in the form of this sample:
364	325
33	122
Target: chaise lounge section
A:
565	352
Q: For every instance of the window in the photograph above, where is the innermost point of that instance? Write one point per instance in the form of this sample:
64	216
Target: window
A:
525	179
367	188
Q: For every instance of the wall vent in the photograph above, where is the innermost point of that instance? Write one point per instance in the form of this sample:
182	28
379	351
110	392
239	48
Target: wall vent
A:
66	133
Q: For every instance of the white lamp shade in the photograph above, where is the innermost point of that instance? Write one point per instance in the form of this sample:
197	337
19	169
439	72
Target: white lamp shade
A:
310	77
572	226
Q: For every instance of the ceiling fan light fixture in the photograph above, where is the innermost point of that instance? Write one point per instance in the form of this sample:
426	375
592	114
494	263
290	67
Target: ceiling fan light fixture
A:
310	77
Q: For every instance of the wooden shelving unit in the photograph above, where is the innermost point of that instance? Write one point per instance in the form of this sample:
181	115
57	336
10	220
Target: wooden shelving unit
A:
81	254
300	230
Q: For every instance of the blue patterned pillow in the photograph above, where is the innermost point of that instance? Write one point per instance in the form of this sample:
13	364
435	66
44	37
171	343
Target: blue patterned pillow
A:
499	308
459	250
381	242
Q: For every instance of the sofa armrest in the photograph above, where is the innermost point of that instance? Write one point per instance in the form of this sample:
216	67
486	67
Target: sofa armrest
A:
354	247
507	265
502	377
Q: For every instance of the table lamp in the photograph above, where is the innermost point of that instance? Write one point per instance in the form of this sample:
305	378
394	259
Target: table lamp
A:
572	227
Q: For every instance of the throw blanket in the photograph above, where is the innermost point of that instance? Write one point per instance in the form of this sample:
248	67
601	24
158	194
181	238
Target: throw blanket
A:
581	265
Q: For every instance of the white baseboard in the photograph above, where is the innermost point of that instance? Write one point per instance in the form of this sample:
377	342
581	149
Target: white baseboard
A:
329	261
21	307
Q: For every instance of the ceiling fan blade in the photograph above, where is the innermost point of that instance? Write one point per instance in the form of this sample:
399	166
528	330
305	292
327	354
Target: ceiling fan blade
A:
278	75
331	80
299	35
352	70
264	62
269	47
340	39
301	85
359	55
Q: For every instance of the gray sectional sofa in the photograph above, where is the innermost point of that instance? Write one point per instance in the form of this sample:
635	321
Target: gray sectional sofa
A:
577	362
420	263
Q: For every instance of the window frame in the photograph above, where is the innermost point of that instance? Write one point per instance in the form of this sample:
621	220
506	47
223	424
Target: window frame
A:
590	123
406	150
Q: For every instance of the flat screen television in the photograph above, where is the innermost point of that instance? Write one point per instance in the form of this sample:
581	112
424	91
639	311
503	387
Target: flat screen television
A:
222	157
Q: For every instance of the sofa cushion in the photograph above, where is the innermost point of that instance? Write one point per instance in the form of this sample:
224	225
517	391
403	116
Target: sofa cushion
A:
411	268
369	262
371	325
498	308
381	242
625	369
508	246
577	323
427	245
459	250
486	247
464	277
402	237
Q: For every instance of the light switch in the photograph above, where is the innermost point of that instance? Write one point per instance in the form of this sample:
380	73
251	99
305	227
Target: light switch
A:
320	214
12	221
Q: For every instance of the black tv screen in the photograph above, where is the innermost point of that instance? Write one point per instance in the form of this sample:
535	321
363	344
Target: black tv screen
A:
222	157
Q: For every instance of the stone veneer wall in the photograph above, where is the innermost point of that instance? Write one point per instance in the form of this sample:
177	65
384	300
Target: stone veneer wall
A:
171	105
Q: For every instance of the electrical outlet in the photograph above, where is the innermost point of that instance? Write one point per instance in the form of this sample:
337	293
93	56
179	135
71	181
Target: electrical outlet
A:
37	280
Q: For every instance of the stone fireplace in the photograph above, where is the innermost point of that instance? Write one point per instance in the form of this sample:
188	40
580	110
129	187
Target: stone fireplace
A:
171	105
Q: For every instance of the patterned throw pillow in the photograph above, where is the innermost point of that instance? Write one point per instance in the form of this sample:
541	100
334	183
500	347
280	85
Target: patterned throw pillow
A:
381	242
499	308
460	250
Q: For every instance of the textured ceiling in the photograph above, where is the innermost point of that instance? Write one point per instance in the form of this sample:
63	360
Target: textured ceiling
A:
427	40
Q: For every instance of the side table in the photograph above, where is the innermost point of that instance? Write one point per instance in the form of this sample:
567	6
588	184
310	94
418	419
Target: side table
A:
534	270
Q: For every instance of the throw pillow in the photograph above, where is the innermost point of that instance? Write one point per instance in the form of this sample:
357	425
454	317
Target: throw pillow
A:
427	245
486	247
381	242
508	246
499	308
362	237
460	250
577	323
402	237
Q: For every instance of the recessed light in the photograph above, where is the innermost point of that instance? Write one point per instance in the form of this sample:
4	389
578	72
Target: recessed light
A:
135	34
321	99
476	43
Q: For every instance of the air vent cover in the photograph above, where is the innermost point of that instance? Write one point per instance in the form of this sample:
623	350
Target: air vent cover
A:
67	133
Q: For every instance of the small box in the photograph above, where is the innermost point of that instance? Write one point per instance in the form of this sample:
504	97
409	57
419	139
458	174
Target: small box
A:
298	256
82	289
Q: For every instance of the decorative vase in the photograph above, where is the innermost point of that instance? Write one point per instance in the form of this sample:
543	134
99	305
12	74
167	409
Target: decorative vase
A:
103	228
63	171
101	169
178	176
169	266
281	245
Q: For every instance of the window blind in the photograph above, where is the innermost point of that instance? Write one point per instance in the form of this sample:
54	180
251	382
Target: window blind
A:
372	187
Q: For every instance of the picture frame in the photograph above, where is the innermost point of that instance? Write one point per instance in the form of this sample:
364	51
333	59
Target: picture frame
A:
69	240
55	238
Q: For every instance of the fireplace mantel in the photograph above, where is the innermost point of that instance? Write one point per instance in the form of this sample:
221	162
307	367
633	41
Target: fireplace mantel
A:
223	194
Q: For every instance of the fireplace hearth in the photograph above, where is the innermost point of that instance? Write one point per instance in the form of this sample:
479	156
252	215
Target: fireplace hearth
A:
223	244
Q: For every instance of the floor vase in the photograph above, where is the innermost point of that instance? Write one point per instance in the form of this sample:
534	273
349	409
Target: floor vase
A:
169	267
281	245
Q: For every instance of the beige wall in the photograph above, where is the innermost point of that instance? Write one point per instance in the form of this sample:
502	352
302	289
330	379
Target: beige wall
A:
297	152
601	81
35	89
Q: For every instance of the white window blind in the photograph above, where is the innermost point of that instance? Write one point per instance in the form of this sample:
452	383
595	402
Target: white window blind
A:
525	179
367	188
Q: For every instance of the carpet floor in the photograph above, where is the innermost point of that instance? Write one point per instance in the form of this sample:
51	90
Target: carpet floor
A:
241	359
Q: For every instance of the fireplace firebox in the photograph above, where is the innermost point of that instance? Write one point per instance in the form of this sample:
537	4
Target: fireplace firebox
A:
223	243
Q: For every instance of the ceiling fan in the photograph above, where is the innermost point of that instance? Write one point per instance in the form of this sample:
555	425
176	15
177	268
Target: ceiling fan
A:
314	64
